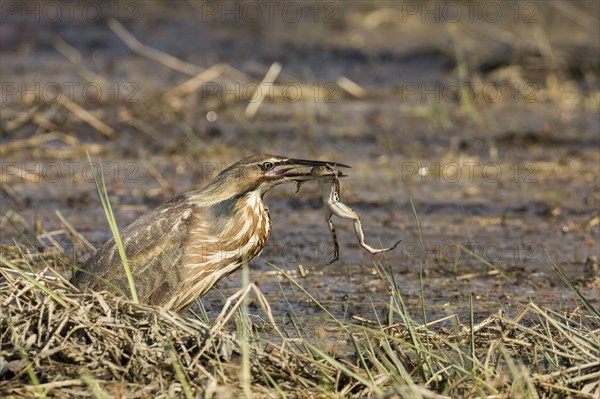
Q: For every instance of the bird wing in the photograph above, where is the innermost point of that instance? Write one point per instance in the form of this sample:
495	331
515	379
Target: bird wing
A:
153	245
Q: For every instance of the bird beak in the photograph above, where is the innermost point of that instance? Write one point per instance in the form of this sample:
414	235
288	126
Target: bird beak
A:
301	169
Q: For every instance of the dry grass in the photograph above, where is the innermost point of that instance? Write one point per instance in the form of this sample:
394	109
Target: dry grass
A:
56	342
91	343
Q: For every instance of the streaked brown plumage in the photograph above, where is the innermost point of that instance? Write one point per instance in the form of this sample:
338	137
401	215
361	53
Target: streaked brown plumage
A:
179	250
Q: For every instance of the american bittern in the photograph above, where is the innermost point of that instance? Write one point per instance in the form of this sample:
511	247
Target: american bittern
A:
179	250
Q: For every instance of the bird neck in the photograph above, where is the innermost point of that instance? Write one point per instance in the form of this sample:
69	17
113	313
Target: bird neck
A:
248	226
252	212
251	205
243	215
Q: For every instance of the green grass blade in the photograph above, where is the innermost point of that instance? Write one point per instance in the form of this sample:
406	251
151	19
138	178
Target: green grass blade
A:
33	281
103	194
590	308
94	386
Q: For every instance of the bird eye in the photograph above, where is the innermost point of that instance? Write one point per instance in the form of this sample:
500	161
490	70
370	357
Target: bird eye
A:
267	165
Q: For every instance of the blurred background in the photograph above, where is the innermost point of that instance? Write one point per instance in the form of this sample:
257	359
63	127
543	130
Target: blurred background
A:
485	114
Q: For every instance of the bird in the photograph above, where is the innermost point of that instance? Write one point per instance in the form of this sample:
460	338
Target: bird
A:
181	249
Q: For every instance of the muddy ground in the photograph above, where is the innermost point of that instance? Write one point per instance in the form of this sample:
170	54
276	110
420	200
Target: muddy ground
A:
487	122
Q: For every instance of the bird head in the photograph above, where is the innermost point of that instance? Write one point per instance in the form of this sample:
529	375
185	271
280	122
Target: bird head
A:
263	172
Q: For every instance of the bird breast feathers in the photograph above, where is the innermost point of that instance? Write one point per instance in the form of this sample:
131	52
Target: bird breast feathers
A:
241	238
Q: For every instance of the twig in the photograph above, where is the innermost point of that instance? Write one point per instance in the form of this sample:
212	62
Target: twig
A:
260	92
351	87
11	194
152	53
36	141
125	116
76	58
74	232
577	14
87	117
164	183
195	83
21	119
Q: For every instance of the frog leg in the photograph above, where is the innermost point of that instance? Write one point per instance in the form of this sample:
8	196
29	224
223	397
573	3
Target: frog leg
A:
358	229
336	247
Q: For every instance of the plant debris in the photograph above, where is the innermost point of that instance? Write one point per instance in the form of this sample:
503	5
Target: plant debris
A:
57	342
